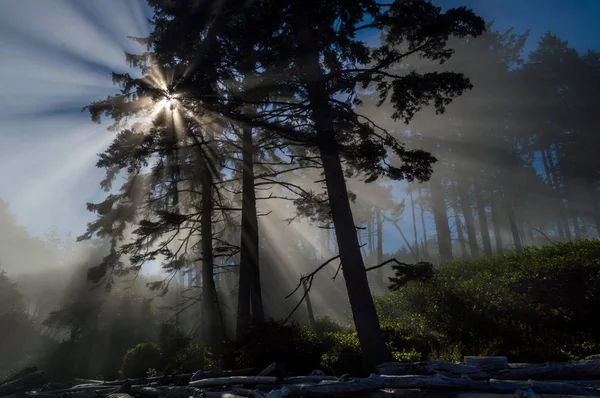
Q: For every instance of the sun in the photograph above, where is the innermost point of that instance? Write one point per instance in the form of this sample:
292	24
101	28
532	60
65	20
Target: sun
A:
168	103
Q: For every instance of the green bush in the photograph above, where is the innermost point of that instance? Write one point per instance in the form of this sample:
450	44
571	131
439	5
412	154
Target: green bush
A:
326	324
265	342
191	358
343	354
140	359
537	304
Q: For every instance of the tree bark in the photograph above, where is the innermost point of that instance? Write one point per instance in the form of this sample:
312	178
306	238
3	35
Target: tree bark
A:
440	215
414	219
510	212
465	205
483	224
308	302
424	227
459	231
249	244
365	316
559	224
209	311
559	190
496	221
379	245
370	243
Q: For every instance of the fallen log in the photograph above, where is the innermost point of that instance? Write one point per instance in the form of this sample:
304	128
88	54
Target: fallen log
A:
276	369
232	381
541	387
425	368
487	363
575	370
376	382
147	391
27	382
100	388
307	379
212	374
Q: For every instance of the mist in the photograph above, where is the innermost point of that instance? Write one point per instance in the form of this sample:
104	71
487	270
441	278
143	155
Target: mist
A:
517	166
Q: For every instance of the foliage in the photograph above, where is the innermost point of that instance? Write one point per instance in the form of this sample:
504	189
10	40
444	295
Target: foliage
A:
343	354
180	353
326	324
140	359
191	358
534	305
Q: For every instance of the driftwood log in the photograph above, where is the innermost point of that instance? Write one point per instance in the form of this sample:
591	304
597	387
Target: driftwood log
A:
26	382
487	377
376	382
235	380
580	370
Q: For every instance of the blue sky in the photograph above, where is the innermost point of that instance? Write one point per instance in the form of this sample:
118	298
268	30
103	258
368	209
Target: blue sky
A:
57	55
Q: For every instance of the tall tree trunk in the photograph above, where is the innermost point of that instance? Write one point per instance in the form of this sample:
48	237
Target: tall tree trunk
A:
483	224
249	243
414	219
457	221
353	268
529	231
440	216
559	190
559	222
465	205
496	221
370	233
423	226
308	302
510	212
209	311
379	245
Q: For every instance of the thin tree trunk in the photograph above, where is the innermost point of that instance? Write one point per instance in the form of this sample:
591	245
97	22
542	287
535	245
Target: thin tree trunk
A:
209	312
309	308
508	205
440	216
559	223
370	234
496	221
414	219
353	268
423	226
459	230
249	242
465	205
559	190
379	245
483	224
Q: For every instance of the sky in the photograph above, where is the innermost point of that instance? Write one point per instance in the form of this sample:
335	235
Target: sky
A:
57	55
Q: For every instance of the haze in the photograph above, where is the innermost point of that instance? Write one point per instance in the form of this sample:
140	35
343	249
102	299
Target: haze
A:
498	185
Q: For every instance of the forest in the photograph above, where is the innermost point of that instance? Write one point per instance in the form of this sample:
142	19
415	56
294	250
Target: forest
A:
330	184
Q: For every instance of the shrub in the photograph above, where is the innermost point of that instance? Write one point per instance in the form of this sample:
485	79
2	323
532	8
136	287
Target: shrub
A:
537	304
140	359
326	324
265	342
343	355
191	358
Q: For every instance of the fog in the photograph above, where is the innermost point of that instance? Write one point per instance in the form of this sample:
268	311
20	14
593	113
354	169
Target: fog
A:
517	166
